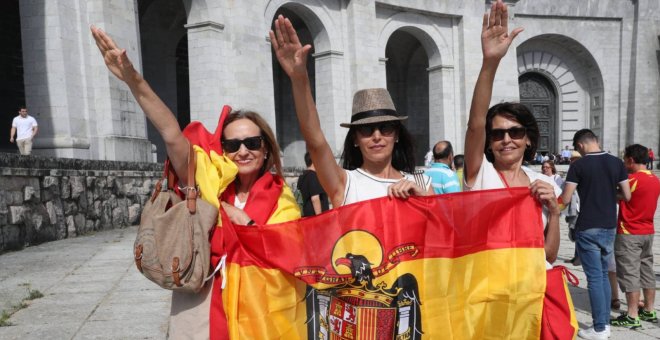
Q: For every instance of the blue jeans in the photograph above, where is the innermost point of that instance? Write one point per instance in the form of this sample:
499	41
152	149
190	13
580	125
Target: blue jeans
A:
595	248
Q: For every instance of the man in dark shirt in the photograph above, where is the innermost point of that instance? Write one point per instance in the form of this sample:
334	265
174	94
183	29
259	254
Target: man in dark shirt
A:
315	200
596	176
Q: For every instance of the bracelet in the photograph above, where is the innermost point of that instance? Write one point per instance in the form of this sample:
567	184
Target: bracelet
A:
250	222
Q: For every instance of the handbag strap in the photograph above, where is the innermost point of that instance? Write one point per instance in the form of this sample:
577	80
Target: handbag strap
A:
191	190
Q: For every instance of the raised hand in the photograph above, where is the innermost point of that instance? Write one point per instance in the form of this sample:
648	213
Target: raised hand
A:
115	58
495	36
290	53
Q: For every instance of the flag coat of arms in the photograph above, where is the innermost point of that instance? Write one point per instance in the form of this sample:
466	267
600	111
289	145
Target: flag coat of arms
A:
459	266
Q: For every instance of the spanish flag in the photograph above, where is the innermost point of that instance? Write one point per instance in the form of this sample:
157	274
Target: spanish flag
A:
459	266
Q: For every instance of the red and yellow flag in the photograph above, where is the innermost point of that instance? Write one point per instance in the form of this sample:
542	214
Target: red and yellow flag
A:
459	266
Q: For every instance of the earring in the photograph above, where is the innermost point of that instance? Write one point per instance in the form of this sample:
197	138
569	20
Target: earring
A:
396	141
266	156
355	145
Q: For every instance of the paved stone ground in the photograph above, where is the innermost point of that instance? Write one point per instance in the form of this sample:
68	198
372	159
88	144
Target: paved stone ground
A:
93	291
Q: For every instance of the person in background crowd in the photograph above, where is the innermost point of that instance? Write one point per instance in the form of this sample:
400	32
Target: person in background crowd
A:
548	169
315	200
597	176
572	211
24	128
633	247
649	164
378	158
443	179
459	161
428	158
565	155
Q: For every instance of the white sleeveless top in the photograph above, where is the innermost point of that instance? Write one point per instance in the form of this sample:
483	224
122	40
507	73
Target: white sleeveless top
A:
362	186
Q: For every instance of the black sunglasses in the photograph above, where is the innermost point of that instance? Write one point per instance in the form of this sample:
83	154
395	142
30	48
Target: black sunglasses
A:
386	129
232	145
516	132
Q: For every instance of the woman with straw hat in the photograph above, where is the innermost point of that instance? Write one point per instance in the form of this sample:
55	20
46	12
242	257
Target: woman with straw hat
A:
378	150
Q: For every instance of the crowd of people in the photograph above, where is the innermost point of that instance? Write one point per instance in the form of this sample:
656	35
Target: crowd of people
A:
378	161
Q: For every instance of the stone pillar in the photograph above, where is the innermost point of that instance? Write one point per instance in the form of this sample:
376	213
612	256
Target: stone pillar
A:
83	111
645	79
444	119
331	98
207	57
55	89
366	70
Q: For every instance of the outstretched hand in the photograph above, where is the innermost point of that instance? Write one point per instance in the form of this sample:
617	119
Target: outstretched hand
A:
495	36
290	53
115	58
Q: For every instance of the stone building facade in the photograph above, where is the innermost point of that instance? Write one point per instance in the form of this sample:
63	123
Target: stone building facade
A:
589	63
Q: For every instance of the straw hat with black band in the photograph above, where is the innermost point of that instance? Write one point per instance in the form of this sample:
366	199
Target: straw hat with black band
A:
372	106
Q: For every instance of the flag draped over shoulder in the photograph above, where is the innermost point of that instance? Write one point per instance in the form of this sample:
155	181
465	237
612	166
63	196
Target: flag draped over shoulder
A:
460	266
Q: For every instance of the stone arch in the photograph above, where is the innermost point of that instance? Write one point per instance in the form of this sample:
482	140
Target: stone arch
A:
315	16
576	77
161	34
424	30
438	122
408	83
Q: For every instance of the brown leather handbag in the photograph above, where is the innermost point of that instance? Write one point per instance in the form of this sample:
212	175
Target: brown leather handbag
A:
172	246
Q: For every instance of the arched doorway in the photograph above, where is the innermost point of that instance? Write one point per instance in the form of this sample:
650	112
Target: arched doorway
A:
164	47
408	83
12	89
538	94
288	133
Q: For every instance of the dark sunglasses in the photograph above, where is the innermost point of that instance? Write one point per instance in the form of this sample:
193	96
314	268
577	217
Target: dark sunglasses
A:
386	129
251	143
517	132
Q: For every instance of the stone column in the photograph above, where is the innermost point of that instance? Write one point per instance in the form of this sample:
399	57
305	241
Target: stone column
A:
330	96
207	57
83	111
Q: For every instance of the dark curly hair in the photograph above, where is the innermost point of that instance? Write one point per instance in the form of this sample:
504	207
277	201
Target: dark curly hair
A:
519	113
403	155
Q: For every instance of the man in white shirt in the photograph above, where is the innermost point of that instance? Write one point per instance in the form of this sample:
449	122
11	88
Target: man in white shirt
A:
24	128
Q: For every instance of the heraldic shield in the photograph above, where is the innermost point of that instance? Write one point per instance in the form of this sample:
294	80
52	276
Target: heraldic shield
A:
362	306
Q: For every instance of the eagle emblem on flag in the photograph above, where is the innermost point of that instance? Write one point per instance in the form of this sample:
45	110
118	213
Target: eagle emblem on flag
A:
358	305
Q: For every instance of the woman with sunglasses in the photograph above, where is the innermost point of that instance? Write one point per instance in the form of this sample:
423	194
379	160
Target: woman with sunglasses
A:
499	139
239	178
378	156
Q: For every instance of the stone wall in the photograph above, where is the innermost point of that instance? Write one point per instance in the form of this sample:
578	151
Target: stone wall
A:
44	199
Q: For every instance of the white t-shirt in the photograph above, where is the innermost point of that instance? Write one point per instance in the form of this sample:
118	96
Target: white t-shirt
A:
489	178
23	126
361	186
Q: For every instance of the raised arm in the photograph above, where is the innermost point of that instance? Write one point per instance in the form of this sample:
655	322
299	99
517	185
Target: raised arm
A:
163	119
292	56
495	41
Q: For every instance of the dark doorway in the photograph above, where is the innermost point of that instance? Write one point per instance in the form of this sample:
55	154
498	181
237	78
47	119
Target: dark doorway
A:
12	89
408	83
182	83
538	94
287	128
